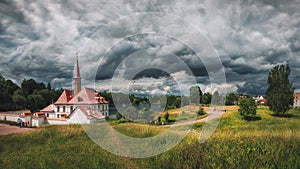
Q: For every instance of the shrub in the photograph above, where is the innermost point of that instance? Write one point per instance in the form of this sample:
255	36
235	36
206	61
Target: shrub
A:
200	112
167	117
248	108
118	116
159	119
123	120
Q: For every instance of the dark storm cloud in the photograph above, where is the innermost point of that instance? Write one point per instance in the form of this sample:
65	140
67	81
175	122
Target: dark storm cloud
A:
149	42
39	39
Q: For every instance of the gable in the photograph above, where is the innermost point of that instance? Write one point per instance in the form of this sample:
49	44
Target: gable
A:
65	97
85	96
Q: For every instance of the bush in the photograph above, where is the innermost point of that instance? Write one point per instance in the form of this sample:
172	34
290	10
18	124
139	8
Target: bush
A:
123	120
159	119
167	117
118	116
200	112
248	109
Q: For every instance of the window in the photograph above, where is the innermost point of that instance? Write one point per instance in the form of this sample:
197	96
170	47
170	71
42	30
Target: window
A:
57	115
57	109
71	108
64	108
47	114
79	99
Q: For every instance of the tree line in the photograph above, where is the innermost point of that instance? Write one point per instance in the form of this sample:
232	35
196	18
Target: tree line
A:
29	95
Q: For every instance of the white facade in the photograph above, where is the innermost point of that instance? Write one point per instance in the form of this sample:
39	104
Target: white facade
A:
38	121
78	117
296	100
56	121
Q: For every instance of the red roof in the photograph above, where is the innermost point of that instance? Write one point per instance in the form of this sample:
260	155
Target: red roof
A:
16	112
65	97
263	101
88	96
297	95
90	113
38	115
48	108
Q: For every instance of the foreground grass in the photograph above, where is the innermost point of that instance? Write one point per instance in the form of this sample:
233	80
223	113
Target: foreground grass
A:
271	142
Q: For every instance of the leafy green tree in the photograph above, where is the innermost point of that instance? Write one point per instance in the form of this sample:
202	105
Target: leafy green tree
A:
35	102
232	99
206	98
217	98
6	100
200	111
20	101
195	95
47	95
173	102
280	91
166	116
19	92
247	107
158	119
10	87
49	86
118	116
29	86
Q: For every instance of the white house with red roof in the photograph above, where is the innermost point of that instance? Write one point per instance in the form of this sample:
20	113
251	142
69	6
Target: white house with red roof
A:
77	107
296	100
82	106
260	100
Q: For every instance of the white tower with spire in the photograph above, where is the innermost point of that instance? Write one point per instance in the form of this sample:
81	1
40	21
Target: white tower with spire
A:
76	78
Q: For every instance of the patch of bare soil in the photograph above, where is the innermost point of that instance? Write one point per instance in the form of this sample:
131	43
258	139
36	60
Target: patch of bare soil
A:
6	129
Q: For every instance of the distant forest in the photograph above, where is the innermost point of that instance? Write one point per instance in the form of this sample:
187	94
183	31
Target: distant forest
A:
35	96
30	95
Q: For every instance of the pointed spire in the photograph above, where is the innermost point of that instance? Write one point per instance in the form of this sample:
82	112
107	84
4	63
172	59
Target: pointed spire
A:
77	78
76	71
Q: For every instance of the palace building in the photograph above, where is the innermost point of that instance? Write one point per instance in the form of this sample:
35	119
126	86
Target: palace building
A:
82	106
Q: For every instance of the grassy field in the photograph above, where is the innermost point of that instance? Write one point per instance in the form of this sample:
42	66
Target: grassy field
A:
272	142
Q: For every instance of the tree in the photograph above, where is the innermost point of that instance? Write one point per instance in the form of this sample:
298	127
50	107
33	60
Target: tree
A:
20	101
159	119
6	100
280	91
35	102
217	98
10	86
200	111
118	116
195	95
167	117
247	108
49	86
232	99
206	98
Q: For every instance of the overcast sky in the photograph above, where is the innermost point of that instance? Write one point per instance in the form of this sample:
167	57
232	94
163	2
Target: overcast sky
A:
149	46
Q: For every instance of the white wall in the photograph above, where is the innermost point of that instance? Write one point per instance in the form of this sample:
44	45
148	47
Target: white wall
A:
60	122
78	117
51	115
12	118
38	122
2	117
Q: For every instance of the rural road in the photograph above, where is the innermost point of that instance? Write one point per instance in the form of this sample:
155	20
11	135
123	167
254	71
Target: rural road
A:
211	115
6	129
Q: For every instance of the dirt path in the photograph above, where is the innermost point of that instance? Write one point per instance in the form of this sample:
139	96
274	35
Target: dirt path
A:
211	115
6	129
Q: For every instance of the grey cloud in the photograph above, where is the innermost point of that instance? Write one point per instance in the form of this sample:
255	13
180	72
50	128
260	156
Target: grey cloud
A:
39	39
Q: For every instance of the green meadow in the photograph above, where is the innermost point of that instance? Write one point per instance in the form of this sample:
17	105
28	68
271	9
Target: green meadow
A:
272	142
